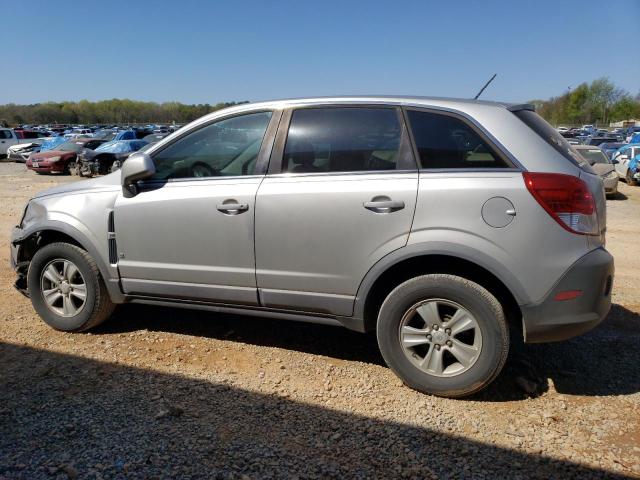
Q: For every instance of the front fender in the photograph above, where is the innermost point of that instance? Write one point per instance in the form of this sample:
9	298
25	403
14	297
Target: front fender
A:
83	236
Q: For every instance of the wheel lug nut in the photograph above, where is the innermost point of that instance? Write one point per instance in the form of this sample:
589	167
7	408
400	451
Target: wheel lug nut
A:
429	337
449	343
435	327
448	331
437	347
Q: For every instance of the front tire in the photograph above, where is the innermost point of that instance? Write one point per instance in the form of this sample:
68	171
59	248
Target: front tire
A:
443	335
630	180
66	288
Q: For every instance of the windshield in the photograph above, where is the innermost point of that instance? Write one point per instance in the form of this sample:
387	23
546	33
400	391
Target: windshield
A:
69	147
594	155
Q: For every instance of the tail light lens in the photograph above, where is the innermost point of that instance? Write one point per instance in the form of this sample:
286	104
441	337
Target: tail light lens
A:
567	199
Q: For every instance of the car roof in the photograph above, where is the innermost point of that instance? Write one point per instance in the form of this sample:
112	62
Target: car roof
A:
384	99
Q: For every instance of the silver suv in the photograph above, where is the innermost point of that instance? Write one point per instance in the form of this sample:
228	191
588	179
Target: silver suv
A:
444	226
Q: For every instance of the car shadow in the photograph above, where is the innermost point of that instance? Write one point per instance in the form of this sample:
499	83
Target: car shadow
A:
618	196
602	362
66	416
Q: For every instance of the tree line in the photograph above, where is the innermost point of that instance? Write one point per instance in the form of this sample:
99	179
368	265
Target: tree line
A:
599	102
120	111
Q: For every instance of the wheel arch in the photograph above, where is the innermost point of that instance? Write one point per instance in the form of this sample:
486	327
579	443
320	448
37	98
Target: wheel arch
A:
36	238
411	262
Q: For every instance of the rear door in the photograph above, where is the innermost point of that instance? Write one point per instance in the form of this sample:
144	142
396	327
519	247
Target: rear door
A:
340	195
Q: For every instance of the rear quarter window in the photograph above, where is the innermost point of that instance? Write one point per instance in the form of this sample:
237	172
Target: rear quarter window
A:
549	134
445	141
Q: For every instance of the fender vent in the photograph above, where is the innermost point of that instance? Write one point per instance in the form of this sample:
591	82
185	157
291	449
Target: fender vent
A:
111	237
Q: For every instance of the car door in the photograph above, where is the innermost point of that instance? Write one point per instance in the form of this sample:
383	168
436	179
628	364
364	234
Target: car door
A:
189	232
339	196
7	138
622	158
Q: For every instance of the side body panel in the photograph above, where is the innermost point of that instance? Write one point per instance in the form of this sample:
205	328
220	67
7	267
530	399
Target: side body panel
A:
173	241
531	252
315	240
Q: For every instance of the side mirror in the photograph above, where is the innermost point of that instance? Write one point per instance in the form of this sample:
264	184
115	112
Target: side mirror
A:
615	161
137	167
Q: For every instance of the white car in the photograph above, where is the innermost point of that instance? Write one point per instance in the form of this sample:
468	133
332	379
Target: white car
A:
562	129
621	161
9	137
79	133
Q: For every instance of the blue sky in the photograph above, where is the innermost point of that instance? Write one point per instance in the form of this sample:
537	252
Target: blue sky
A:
207	51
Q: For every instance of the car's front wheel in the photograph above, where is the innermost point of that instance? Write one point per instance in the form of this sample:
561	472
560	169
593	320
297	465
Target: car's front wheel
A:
66	288
630	180
443	335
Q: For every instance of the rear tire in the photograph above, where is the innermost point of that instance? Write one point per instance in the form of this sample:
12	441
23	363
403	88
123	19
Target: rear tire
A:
66	288
463	354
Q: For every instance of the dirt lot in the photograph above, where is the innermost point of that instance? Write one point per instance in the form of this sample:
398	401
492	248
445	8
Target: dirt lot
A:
161	393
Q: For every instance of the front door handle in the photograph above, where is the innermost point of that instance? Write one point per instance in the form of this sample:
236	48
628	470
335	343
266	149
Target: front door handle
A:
384	206
232	208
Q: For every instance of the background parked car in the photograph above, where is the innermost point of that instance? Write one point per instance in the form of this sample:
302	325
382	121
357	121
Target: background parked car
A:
609	148
9	137
61	159
602	166
595	141
624	165
101	160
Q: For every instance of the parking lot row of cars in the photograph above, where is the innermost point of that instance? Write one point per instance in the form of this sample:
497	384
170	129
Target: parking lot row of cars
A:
612	154
82	150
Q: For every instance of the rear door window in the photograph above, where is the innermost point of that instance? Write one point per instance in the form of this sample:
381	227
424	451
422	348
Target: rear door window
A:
445	141
345	139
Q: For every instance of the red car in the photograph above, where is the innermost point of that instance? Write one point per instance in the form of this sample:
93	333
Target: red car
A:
61	159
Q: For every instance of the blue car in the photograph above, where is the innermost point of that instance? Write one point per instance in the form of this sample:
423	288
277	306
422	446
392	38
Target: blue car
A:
108	157
609	148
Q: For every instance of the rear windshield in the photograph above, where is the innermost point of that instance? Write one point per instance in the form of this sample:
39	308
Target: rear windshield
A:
551	136
594	155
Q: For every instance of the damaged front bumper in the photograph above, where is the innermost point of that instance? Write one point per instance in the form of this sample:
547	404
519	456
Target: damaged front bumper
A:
20	267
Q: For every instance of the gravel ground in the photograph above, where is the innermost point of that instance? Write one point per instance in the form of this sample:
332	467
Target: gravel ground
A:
163	393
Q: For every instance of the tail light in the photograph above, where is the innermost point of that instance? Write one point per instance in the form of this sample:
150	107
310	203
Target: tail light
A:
567	199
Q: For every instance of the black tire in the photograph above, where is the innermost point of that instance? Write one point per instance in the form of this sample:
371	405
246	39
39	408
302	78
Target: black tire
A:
97	305
482	305
630	180
70	168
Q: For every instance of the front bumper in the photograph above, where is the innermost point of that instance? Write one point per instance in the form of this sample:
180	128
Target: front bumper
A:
554	320
20	268
610	184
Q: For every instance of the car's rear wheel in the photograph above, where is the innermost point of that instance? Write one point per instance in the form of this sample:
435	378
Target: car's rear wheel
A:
66	288
443	335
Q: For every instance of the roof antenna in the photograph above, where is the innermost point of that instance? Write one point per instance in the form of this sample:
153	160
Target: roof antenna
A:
485	86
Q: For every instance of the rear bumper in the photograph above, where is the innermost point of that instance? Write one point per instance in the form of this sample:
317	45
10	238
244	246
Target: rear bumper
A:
555	320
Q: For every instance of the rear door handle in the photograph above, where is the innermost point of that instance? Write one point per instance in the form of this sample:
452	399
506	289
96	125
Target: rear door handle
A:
384	206
232	208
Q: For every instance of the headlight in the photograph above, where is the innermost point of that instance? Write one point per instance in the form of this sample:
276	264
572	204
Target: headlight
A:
52	159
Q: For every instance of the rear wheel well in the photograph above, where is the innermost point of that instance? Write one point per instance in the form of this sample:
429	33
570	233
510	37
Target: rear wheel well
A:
426	264
37	240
